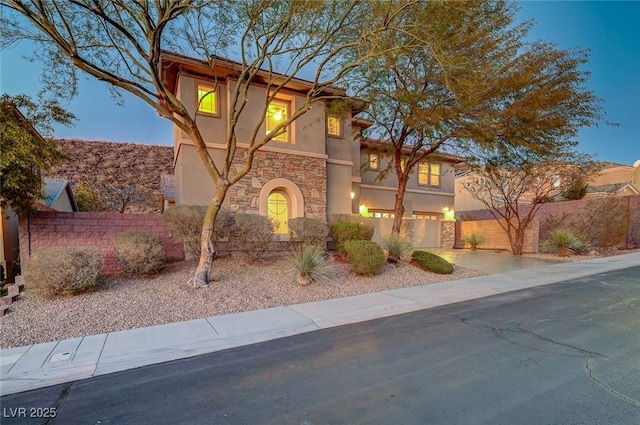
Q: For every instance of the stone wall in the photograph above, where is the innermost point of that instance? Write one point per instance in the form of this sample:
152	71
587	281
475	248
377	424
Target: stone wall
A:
447	234
308	173
53	229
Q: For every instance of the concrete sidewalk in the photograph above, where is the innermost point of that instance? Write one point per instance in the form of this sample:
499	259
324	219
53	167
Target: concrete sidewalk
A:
41	365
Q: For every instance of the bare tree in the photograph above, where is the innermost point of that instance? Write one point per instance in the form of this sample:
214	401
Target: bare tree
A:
513	185
122	43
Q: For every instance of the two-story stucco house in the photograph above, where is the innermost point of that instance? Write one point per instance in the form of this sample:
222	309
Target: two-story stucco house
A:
314	169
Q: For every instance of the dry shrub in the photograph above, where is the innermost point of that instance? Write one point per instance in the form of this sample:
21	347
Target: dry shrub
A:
185	222
139	253
62	271
254	235
307	231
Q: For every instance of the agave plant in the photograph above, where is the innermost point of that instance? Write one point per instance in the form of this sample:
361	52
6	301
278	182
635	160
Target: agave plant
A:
397	248
474	239
561	241
310	264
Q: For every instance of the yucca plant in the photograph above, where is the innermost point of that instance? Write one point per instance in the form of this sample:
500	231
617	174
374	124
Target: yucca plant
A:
310	264
561	241
397	248
474	239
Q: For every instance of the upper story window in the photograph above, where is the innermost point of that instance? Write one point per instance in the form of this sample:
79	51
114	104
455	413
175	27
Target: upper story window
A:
428	174
334	126
373	161
403	164
278	112
207	100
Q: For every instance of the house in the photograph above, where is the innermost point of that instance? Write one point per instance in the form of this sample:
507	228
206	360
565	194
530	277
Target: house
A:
615	179
317	168
610	180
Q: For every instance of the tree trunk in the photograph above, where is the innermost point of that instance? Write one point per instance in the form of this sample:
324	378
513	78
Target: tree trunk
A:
398	208
207	247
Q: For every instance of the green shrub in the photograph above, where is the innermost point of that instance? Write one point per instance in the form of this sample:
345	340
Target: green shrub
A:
139	253
309	264
474	239
307	231
62	271
254	235
366	257
367	222
560	241
431	262
349	231
397	247
185	222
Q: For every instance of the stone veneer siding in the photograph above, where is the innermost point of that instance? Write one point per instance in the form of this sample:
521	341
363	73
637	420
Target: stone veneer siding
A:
308	173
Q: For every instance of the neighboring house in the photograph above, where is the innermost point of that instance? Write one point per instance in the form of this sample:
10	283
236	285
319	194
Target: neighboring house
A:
610	180
168	190
314	170
58	196
615	179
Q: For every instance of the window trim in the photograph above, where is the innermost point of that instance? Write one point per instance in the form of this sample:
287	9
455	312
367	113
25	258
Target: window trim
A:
377	161
340	134
430	174
214	89
289	128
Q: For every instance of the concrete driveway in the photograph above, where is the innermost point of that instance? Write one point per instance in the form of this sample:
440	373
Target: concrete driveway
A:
489	261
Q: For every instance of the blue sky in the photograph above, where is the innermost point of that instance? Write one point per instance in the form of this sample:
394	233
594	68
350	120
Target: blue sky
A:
609	29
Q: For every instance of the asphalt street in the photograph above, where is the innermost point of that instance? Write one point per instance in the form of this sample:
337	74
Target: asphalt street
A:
567	353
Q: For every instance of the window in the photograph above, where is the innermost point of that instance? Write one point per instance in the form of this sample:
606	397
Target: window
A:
403	164
373	161
278	210
278	112
428	174
207	100
382	214
334	126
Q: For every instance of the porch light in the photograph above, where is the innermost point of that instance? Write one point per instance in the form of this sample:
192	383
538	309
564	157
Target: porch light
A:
449	214
353	195
364	210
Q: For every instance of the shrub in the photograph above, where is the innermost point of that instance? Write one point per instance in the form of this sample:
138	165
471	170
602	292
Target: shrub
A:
309	264
474	239
308	231
366	257
254	235
561	241
62	271
397	247
185	222
349	231
367	222
139	253
431	262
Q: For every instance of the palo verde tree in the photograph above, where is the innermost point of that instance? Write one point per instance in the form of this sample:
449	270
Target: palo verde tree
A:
27	152
122	43
514	182
466	80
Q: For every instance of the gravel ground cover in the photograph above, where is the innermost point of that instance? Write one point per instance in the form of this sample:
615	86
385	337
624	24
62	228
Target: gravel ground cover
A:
126	303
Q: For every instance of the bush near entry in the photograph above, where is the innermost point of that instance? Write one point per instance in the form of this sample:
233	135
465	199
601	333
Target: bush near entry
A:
366	257
431	262
349	231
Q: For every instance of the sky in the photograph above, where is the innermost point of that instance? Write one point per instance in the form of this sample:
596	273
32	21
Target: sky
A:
609	29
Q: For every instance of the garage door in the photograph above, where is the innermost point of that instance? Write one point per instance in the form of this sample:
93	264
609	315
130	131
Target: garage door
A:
426	230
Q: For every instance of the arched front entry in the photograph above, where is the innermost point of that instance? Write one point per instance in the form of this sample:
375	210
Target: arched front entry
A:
281	200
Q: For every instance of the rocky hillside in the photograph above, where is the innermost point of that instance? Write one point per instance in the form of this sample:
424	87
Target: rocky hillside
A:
124	176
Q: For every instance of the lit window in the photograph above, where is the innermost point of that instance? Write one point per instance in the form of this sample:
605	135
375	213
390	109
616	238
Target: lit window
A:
334	126
278	210
403	164
373	161
278	112
428	174
207	101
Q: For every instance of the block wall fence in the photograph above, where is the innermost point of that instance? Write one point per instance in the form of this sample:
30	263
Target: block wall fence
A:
47	229
481	221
